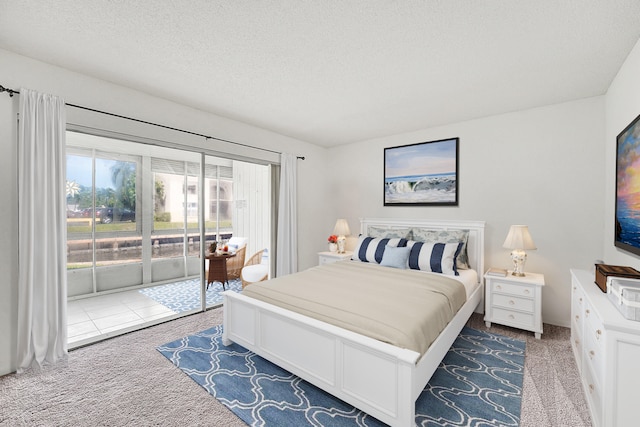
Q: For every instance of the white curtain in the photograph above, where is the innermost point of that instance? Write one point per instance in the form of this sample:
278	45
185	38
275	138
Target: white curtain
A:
287	243
42	273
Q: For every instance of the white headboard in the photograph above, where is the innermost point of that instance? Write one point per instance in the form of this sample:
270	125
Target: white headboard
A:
475	244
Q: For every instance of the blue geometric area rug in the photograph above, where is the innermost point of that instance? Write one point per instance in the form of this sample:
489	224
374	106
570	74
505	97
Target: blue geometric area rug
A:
479	383
185	295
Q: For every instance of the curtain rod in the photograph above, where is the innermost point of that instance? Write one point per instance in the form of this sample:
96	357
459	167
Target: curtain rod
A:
11	92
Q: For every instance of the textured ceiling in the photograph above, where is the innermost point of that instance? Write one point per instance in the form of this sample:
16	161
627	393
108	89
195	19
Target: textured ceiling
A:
333	72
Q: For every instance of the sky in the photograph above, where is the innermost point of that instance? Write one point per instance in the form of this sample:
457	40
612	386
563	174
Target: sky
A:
421	159
79	170
628	161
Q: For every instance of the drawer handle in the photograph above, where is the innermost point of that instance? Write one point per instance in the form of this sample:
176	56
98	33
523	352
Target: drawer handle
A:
586	313
526	292
511	302
591	388
498	287
577	341
580	299
511	316
577	317
575	287
598	333
592	354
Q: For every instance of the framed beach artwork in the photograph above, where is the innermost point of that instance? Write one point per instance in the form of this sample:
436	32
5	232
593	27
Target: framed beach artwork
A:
422	174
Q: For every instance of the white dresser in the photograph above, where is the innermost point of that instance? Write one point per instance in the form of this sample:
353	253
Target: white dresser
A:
607	351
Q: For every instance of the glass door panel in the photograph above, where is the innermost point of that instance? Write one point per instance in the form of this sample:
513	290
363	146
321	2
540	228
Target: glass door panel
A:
135	223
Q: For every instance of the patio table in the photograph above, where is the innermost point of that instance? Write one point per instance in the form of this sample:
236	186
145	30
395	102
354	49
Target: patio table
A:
218	269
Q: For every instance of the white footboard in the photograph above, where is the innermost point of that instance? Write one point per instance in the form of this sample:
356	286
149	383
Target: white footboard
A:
377	378
370	375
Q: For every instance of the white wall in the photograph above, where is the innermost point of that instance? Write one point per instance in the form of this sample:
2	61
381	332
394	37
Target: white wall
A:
542	167
622	106
18	71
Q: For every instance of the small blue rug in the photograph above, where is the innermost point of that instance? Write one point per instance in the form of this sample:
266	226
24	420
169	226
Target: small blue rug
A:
185	295
479	383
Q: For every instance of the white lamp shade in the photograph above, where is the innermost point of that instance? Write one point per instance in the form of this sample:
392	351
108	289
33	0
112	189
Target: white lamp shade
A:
341	228
519	238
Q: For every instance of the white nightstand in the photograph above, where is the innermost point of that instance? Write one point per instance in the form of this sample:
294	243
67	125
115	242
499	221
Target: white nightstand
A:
329	257
514	301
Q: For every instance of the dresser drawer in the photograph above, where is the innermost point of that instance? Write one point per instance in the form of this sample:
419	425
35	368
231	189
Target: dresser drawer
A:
576	345
513	303
594	356
577	304
593	395
519	290
513	318
593	328
577	320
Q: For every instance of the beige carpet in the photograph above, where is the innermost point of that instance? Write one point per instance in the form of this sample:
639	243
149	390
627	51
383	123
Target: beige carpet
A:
124	381
552	394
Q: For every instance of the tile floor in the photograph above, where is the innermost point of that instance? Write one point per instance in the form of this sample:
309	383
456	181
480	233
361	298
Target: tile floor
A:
93	319
104	316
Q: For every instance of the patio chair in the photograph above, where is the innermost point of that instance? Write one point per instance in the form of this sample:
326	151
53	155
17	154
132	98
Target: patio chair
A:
254	271
235	264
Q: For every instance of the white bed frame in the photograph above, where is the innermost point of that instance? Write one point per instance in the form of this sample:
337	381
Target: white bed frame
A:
377	378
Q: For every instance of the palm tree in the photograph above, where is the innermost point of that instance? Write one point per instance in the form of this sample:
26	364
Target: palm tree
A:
72	190
123	176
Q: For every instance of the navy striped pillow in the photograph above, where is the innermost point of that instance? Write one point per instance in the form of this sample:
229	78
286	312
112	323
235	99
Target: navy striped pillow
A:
371	249
434	257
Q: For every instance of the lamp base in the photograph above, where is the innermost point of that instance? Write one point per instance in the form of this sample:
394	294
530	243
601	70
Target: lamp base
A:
341	244
519	257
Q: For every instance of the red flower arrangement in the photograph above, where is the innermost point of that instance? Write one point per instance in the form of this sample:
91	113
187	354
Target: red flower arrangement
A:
333	239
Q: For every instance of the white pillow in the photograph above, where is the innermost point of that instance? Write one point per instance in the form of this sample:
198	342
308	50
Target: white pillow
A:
236	243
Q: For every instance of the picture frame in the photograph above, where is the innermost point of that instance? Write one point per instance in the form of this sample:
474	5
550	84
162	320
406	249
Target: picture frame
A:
422	174
627	196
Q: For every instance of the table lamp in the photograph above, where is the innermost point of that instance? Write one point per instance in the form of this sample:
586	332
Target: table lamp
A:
518	240
341	230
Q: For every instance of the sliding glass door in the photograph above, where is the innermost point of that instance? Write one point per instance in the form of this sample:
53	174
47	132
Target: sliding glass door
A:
132	214
136	216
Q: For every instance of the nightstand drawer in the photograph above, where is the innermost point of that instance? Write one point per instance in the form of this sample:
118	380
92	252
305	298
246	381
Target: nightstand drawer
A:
513	318
325	260
513	303
519	290
329	257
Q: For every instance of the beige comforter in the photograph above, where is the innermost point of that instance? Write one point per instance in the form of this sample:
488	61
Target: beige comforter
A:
406	308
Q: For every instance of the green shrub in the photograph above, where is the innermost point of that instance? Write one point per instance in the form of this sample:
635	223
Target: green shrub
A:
162	217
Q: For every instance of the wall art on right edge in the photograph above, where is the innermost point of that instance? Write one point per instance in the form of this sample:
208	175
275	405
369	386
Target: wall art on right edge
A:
422	174
627	226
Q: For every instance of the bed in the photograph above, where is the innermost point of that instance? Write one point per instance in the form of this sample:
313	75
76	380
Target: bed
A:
381	379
